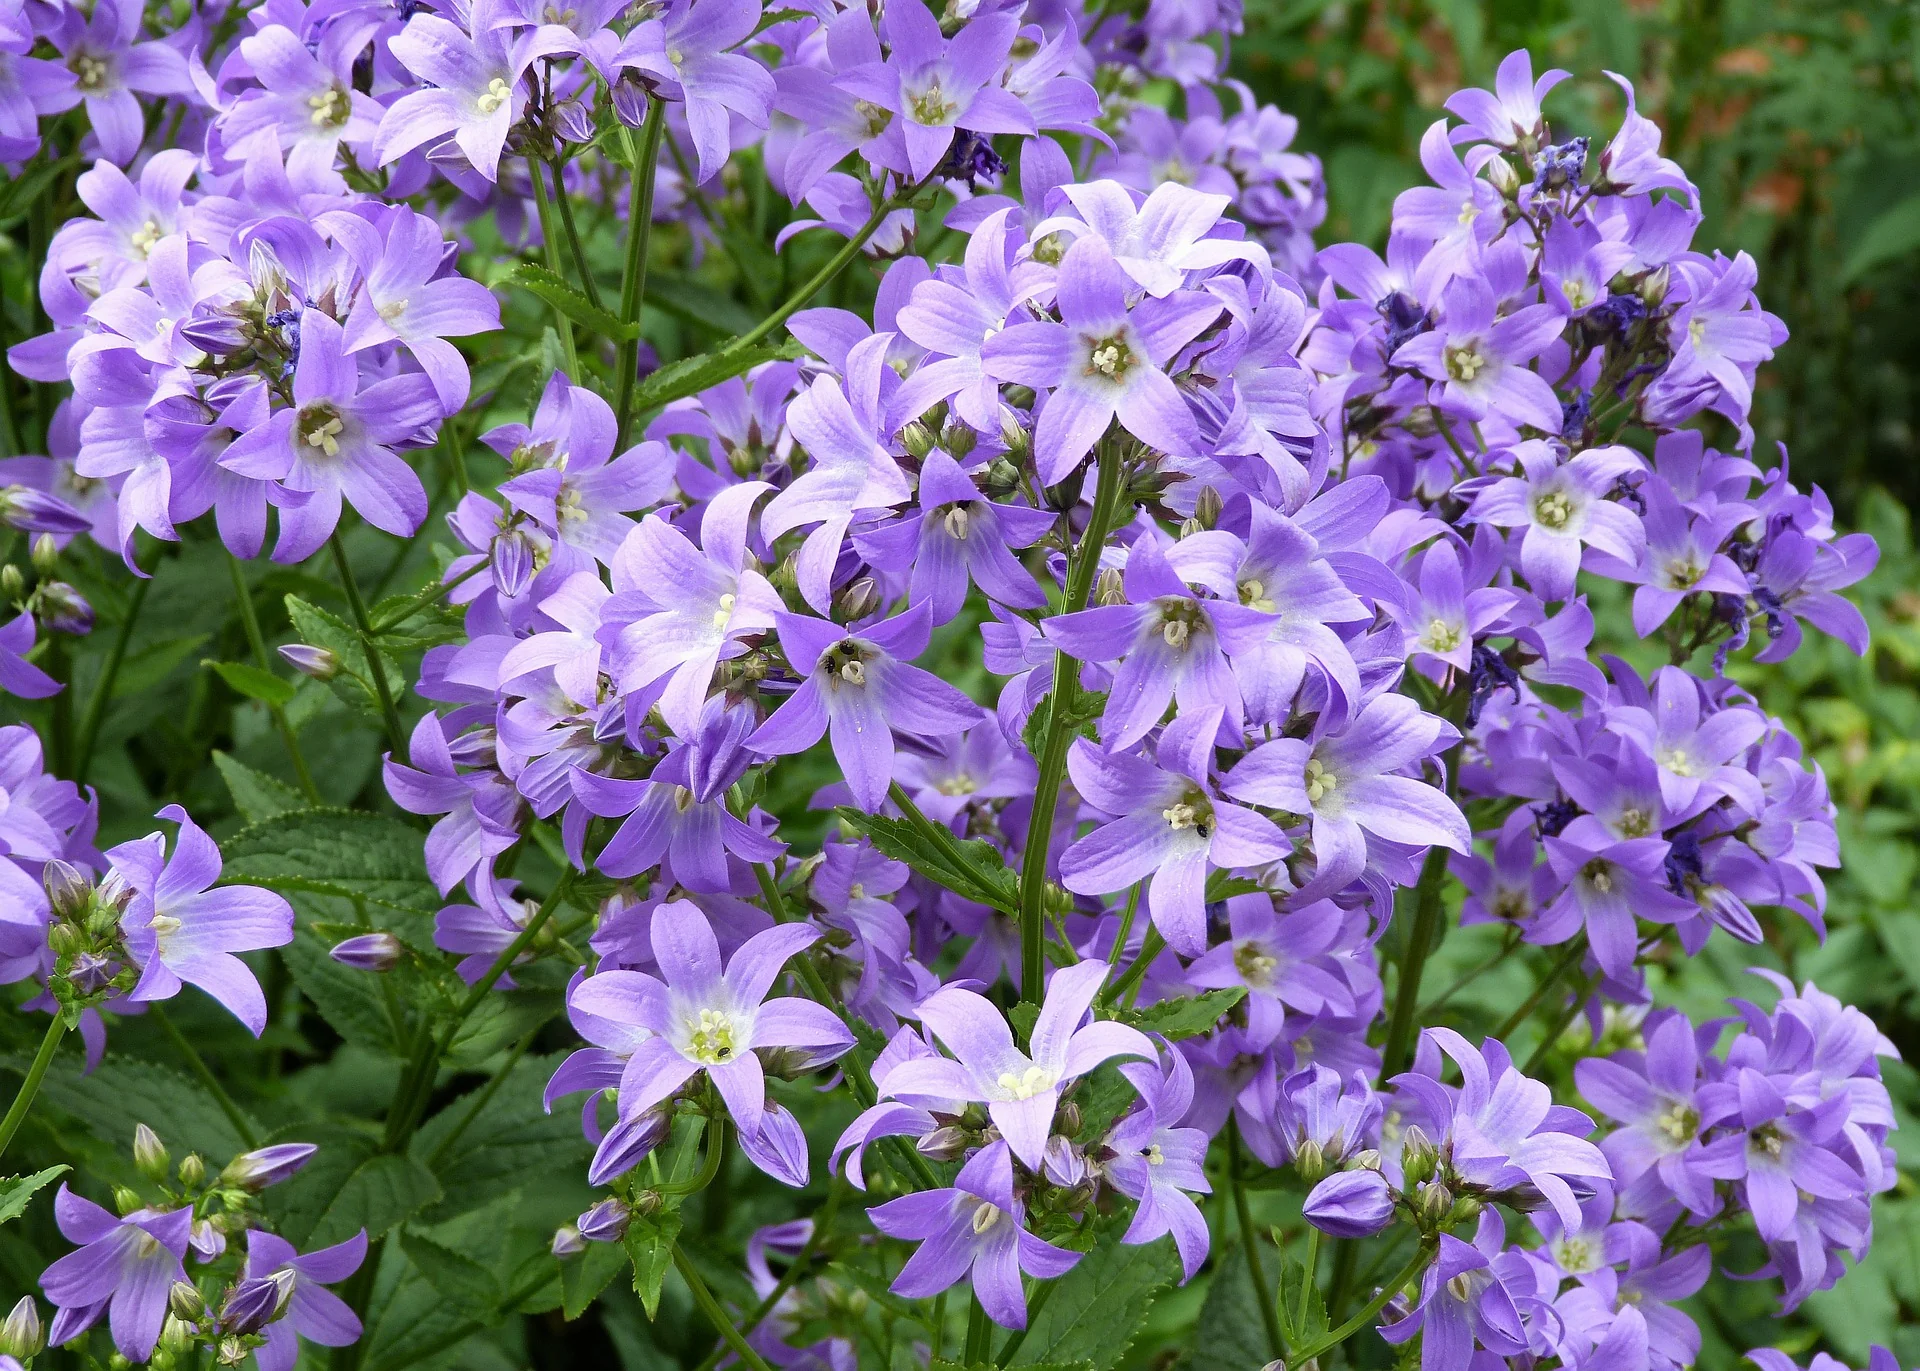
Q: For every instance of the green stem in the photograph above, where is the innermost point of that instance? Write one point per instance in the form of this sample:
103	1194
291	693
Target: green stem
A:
1559	1026
434	592
979	1336
1565	963
1126	924
574	245
710	1167
633	280
551	240
1420	1262
788	1279
1019	1335
1312	1272
1427	917
250	621
1250	1243
1151	946
487	1092
30	1086
1431	1007
103	688
718	1317
198	1064
1059	733
417	1083
60	666
376	669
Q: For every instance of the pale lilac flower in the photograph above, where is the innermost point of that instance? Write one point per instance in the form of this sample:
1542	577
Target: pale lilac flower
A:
307	98
1478	359
1509	116
1157	1162
123	1270
109	67
1155	239
1559	506
312	1312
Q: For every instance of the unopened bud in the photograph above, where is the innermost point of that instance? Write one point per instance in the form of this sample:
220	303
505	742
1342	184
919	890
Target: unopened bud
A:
186	1302
1189	527
65	940
1502	176
958	439
630	102
917	439
321	663
192	1171
22	1335
37	511
627	1144
512	563
64	609
572	122
369	952
265	1166
45	554
12	583
1653	290
1208	506
1310	1160
125	1200
1368	1159
567	1242
68	888
1418	1155
861	599
946	1144
1465	1210
1435	1202
647	1203
150	1154
1110	588
175	1337
1069	1121
606	1222
1016	436
232	1350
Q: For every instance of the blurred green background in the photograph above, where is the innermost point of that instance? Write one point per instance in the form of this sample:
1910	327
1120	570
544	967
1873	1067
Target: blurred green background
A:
1800	122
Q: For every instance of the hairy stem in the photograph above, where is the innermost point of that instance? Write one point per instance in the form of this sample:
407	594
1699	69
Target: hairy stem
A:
633	280
30	1085
250	621
376	669
1060	732
436	591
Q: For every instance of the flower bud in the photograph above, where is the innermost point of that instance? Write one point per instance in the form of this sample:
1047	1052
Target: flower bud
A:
175	1337
1109	588
68	888
193	1171
255	1171
1368	1159
64	609
1465	1210
318	662
647	1203
630	102
126	1200
946	1144
1018	439
1069	1120
219	334
572	122
12	583
512	564
37	511
1502	176
252	1304
606	1222
958	439
1435	1203
65	940
1310	1160
114	894
1653	290
22	1334
917	439
369	952
627	1144
1189	527
150	1154
861	599
1418	1156
1350	1204
567	1242
186	1302
1207	507
45	554
232	1350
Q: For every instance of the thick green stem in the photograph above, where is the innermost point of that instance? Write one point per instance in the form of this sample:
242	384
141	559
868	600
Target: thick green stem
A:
1250	1244
1310	1275
543	203
30	1086
718	1317
250	621
1060	732
198	1064
1126	924
710	1166
1428	914
376	669
1420	1262
575	247
103	688
417	1082
979	1336
633	280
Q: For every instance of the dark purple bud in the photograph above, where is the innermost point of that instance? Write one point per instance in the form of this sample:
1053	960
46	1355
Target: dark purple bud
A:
626	1145
605	1222
369	952
38	512
572	122
252	1305
323	664
947	1144
972	159
64	609
512	564
266	1166
92	973
216	334
1350	1204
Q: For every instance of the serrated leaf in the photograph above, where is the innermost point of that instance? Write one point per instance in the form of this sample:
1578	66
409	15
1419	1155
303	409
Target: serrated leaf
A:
350	1184
649	1242
1230	1331
981	875
17	1191
409	1322
1221	886
691	375
1187	1017
354	684
1099	1306
256	795
1293	1276
1023	1017
582	1278
252	682
510	1138
537	280
459	1278
346	853
349	1000
1103	1097
124	1091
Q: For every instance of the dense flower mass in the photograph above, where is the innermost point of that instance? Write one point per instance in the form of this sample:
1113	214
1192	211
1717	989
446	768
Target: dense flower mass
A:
1291	573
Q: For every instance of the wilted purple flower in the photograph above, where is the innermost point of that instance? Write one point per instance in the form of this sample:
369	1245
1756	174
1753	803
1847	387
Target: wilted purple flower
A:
124	1269
977	1226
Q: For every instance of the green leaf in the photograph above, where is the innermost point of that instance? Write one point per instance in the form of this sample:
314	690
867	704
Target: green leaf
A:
349	1000
1230	1330
697	303
1221	886
256	795
1023	1017
124	1091
1187	1017
1293	1275
16	1191
1103	1097
21	192
510	1139
981	876
562	296
942	1364
354	684
690	375
409	1323
252	682
146	667
345	853
1893	234
350	1184
582	1278
649	1242
1099	1306
465	1283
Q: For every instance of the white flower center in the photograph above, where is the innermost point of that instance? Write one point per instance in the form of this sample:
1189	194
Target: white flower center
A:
957	521
710	1038
1465	361
1253	594
1031	1082
985	1217
723	614
330	108
497	93
1442	636
145	237
1553	510
1154	1156
1320	781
